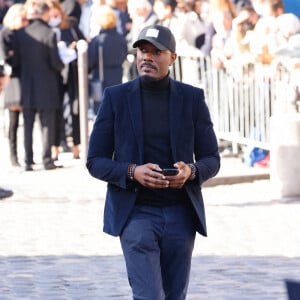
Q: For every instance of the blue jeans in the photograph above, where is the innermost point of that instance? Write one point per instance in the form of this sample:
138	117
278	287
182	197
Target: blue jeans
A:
157	243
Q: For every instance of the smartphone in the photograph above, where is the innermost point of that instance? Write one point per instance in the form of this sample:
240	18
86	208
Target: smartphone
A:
170	171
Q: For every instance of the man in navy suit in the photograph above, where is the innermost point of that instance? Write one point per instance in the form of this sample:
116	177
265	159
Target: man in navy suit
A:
142	127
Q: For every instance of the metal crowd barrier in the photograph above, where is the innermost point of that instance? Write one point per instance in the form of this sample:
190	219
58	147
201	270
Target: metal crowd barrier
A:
241	99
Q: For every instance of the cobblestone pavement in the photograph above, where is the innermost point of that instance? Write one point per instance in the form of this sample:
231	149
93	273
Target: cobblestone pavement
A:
52	245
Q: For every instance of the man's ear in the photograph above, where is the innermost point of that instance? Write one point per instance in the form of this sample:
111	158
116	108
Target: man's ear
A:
173	57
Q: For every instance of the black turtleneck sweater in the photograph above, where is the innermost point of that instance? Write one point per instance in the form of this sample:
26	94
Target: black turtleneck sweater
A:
156	123
157	144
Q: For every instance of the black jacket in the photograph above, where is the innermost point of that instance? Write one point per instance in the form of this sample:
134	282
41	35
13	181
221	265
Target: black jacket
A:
36	52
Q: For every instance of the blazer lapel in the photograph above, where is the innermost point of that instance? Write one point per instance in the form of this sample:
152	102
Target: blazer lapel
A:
176	102
135	111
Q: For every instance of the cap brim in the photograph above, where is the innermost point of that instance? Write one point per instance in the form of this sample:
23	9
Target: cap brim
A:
149	40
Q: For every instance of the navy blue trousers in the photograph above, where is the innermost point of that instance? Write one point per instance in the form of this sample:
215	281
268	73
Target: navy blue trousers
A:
157	244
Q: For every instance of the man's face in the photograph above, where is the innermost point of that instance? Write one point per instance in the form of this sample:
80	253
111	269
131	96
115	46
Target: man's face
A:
153	62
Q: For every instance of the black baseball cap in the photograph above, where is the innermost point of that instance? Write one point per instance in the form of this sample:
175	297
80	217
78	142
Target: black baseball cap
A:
160	36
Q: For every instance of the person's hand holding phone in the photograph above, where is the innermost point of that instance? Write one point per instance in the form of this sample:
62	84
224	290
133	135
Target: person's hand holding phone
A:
149	175
184	172
152	176
177	175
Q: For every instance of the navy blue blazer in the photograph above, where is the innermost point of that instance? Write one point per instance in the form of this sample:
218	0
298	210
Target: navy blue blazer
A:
117	141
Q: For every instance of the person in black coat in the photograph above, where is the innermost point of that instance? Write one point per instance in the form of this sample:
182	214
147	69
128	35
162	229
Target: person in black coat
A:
114	47
36	51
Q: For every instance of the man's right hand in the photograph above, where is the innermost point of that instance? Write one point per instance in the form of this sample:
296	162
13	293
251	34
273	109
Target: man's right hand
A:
149	176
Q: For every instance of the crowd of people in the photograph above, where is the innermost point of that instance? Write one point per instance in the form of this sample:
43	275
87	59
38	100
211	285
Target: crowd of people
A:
38	42
30	39
262	32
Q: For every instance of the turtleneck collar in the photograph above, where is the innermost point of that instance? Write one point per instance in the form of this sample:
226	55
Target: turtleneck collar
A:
149	83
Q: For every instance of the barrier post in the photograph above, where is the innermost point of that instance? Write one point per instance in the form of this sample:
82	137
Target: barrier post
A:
82	47
285	149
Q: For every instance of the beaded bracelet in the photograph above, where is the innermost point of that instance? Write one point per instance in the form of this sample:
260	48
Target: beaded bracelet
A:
130	171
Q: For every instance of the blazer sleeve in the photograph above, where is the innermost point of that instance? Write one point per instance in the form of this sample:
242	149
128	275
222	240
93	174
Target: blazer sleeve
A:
206	151
100	158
